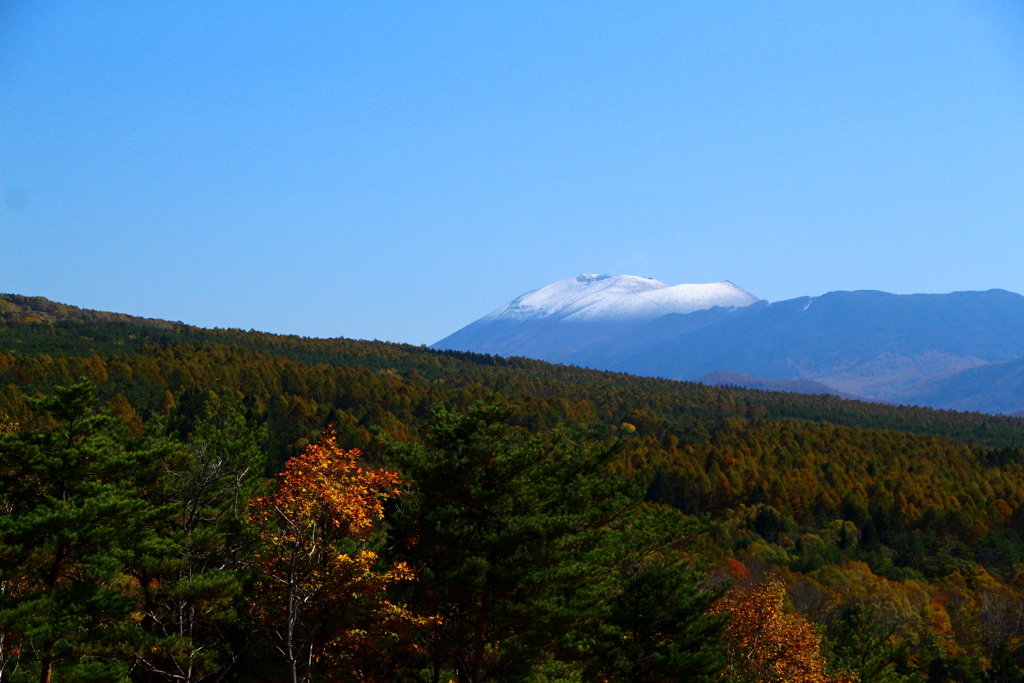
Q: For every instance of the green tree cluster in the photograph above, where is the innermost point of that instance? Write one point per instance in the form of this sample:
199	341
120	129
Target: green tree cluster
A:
530	549
514	556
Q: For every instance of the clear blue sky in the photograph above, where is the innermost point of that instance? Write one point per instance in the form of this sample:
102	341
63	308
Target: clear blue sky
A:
395	170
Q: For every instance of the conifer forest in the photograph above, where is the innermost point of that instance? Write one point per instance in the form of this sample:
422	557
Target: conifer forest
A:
200	505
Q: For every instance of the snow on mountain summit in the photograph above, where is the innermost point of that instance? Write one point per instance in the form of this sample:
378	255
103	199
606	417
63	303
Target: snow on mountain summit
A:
577	311
590	297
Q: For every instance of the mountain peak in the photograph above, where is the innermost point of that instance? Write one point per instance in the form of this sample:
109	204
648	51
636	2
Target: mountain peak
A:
590	297
585	307
591	277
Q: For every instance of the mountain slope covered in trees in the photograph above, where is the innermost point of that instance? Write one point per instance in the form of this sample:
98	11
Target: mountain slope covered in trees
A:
912	516
878	345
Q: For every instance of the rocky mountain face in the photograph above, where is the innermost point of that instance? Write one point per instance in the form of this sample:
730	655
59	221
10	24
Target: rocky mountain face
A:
962	351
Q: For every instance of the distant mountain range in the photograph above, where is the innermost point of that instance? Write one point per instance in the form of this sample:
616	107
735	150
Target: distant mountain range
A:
962	351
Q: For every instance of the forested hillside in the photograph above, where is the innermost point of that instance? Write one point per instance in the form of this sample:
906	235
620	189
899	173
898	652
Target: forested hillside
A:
863	520
926	349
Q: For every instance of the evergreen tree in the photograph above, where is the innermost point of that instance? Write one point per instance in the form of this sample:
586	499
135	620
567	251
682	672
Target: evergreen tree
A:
497	525
858	644
639	606
192	600
77	519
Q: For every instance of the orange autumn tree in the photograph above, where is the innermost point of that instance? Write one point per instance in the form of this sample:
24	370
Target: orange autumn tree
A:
766	644
319	596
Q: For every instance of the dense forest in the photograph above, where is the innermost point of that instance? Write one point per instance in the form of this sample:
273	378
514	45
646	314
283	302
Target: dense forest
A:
197	505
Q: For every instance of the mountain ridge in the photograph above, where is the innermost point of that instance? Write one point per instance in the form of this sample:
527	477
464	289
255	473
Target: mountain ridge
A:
865	343
40	309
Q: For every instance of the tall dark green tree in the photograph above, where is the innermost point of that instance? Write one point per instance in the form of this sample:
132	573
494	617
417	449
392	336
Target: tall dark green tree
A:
490	513
857	643
77	518
193	599
639	606
497	525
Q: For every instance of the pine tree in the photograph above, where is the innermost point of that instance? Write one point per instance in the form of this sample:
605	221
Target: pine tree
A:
77	519
192	600
498	525
639	610
858	644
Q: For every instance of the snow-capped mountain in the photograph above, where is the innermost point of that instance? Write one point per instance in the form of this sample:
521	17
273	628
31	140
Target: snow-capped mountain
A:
584	309
963	350
619	298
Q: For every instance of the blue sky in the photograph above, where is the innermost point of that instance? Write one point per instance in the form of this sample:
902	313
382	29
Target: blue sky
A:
396	170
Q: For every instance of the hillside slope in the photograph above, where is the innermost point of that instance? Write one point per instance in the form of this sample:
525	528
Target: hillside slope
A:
865	343
298	386
306	382
723	378
993	388
909	510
